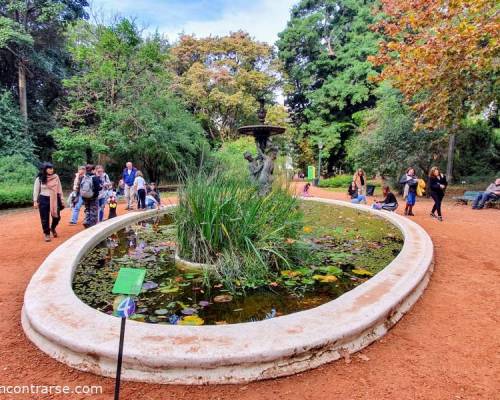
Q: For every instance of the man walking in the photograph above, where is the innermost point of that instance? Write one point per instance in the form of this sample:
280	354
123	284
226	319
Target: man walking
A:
128	177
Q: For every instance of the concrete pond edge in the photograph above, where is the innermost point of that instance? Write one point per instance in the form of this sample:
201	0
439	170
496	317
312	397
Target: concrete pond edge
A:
66	329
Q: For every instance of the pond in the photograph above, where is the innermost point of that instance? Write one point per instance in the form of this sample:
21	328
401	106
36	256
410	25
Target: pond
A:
349	247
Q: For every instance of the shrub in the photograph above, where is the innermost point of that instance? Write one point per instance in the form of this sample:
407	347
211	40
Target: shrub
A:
222	220
336	181
15	196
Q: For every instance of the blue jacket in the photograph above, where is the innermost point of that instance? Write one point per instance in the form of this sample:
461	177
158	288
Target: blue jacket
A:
129	179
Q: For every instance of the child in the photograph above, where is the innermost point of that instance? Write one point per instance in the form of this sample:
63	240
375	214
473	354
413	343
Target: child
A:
151	202
305	191
410	182
140	189
112	205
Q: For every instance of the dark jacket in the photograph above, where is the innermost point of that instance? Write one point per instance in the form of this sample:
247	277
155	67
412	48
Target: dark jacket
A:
390	199
96	186
129	179
412	182
435	183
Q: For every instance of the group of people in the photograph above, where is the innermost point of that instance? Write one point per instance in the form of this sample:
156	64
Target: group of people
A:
412	186
92	189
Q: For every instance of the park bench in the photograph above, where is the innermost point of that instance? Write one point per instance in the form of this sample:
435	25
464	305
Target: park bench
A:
471	196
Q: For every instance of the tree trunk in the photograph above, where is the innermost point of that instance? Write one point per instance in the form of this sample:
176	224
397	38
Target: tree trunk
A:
23	101
451	154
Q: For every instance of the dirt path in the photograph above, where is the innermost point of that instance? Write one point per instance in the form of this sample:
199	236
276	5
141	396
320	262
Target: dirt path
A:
447	347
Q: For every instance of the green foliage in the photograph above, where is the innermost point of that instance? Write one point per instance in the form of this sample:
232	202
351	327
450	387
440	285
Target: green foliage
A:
230	155
324	49
16	170
15	196
387	143
120	104
223	221
16	181
14	139
477	149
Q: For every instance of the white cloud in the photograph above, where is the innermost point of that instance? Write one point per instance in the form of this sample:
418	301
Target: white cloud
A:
263	19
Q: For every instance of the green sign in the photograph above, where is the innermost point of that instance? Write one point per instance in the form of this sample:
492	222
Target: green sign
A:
129	281
311	172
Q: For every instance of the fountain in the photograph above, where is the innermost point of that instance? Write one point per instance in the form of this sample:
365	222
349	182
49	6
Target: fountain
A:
261	167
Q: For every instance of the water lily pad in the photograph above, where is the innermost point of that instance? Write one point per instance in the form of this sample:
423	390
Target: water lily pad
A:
325	278
138	317
188	311
290	283
223	298
169	289
192	320
161	311
290	274
332	270
362	272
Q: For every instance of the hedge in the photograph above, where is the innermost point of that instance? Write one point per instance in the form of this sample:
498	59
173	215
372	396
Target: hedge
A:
15	196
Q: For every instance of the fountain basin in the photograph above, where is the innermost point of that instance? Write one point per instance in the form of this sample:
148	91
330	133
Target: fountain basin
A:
84	338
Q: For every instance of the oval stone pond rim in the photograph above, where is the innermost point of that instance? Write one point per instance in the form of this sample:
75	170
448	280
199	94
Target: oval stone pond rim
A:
65	328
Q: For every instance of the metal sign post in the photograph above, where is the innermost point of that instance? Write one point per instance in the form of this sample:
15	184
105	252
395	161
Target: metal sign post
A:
129	282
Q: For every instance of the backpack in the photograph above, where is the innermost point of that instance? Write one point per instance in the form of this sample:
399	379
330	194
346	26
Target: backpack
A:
87	187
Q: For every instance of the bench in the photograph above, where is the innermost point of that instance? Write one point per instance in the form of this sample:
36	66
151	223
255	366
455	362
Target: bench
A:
471	196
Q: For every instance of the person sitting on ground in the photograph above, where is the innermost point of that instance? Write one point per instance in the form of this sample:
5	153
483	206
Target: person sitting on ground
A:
390	203
153	191
352	190
151	202
492	192
305	190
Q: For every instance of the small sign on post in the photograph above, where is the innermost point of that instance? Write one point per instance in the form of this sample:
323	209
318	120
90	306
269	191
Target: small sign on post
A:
311	172
128	282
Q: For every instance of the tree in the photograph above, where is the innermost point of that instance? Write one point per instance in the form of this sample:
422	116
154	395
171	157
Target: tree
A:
441	55
13	140
33	59
387	143
120	106
324	50
221	79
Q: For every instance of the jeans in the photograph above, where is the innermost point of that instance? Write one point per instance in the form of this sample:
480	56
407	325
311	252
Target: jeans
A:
150	204
102	206
483	198
438	199
359	199
91	212
141	199
76	210
44	209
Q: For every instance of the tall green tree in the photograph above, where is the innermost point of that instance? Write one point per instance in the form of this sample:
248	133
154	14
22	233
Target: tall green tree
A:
33	59
324	50
119	105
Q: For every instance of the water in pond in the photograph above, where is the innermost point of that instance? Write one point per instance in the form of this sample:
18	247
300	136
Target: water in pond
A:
350	247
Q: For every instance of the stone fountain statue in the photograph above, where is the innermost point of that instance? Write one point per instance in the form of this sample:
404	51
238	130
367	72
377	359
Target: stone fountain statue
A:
261	167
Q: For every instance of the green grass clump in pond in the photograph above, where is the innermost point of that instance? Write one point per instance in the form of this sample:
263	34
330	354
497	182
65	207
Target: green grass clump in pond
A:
222	221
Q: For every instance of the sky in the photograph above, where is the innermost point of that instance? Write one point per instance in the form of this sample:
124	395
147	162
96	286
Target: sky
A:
263	19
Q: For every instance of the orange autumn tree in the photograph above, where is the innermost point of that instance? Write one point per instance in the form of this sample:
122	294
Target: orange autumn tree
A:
443	55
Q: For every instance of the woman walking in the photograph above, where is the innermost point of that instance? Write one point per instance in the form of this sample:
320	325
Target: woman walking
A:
140	189
106	185
77	200
410	182
90	186
47	197
437	184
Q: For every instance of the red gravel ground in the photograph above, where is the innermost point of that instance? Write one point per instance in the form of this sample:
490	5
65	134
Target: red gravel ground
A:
447	347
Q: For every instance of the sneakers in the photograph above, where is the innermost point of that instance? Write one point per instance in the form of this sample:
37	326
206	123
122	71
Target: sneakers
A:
72	223
54	233
47	238
433	215
440	219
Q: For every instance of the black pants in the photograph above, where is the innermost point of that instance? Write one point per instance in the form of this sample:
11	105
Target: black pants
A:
44	209
141	198
438	199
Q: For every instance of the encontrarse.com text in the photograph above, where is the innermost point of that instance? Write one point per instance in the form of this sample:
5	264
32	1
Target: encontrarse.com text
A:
46	389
